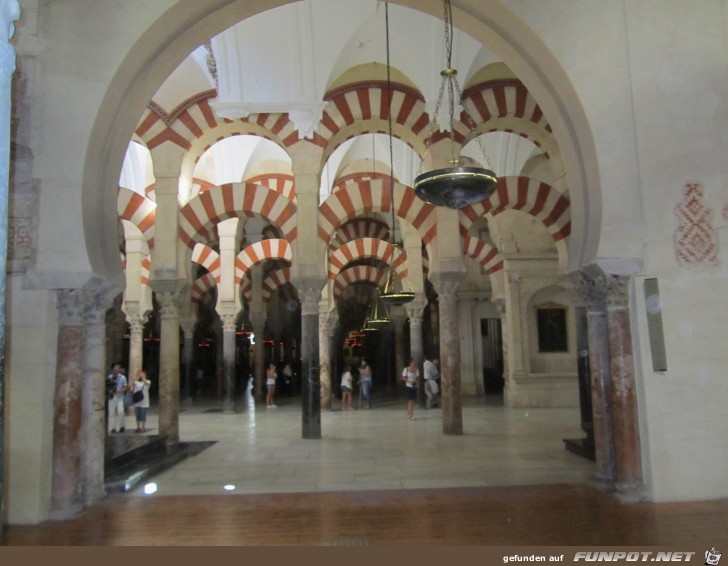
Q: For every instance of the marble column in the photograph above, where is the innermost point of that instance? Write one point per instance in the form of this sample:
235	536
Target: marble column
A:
66	495
9	12
592	289
188	350
228	341
414	313
219	359
259	390
325	357
136	344
624	401
311	385
93	393
446	284
169	367
399	318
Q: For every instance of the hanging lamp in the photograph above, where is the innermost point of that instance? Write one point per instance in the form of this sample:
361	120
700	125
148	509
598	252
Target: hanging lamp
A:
392	296
378	316
459	185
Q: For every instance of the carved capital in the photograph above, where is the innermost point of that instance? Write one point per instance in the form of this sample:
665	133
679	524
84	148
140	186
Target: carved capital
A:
310	297
228	322
446	283
70	304
169	304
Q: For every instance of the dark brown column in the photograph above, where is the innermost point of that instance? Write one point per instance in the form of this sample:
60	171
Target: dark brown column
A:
446	284
624	400
310	295
228	346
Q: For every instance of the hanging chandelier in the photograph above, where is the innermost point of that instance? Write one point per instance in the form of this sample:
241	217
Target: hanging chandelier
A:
378	316
459	185
392	296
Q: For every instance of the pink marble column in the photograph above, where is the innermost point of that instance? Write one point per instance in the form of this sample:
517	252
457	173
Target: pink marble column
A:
169	366
629	479
93	395
591	288
66	494
446	284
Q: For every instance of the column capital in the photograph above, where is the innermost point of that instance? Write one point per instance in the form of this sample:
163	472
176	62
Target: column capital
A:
98	297
70	304
228	322
446	283
595	288
169	303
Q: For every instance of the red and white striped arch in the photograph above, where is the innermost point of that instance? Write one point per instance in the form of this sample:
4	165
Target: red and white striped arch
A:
505	98
485	254
207	258
145	270
279	182
275	281
201	286
361	197
139	210
194	119
261	251
538	199
199	216
370	100
367	248
359	228
359	273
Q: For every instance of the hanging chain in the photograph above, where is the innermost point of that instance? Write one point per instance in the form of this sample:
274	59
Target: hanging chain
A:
389	124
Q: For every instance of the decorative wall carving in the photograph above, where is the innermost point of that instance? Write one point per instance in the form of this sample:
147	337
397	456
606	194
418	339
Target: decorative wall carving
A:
695	239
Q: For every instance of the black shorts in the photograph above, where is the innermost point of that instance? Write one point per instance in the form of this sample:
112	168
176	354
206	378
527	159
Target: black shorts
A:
411	393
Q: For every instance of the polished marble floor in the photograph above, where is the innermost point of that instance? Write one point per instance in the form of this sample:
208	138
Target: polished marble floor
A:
260	450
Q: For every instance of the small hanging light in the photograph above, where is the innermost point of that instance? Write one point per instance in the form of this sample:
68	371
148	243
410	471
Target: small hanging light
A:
459	185
391	296
378	316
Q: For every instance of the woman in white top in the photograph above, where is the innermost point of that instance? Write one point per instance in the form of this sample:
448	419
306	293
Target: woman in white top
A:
410	376
270	381
141	384
347	384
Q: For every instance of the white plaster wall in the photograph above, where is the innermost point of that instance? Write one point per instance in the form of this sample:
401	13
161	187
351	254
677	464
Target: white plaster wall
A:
679	68
30	373
77	65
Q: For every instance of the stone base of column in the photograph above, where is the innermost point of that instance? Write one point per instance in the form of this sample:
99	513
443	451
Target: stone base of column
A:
70	512
603	483
630	492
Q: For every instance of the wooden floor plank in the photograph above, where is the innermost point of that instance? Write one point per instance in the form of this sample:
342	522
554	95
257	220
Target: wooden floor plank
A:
519	515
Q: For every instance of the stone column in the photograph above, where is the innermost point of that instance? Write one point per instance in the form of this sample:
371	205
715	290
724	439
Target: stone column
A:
399	317
414	313
169	367
188	349
593	291
228	341
93	394
219	359
259	390
136	344
629	480
446	284
66	496
311	395
325	358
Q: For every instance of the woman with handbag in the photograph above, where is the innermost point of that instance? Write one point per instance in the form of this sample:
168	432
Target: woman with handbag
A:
141	400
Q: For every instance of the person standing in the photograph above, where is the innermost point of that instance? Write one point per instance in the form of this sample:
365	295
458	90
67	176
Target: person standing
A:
141	385
270	382
365	381
432	390
346	388
410	375
117	413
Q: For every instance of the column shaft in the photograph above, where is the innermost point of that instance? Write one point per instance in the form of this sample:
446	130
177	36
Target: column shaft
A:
310	381
169	367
